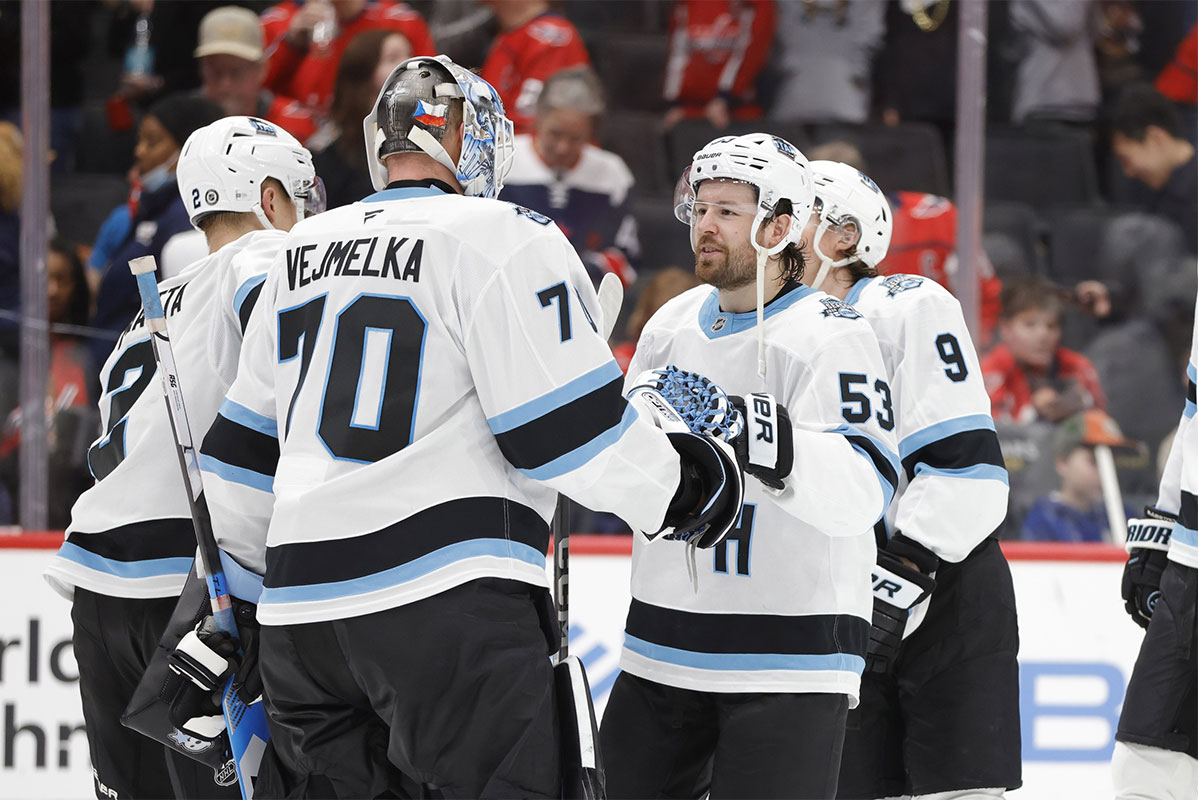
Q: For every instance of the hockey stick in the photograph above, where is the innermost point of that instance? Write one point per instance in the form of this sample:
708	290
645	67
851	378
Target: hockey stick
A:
582	770
1112	497
246	723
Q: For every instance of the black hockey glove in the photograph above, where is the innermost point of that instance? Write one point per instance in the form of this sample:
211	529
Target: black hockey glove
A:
1148	545
201	664
765	445
710	493
897	589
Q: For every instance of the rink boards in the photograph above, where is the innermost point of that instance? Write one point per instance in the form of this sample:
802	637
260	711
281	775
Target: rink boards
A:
1077	649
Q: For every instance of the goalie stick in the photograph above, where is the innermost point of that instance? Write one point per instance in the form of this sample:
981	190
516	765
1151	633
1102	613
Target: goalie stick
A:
582	768
246	723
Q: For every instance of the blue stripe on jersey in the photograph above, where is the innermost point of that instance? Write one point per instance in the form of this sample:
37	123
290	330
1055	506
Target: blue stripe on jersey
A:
1192	372
243	584
240	475
745	661
1189	409
584	453
405	573
244	290
715	323
855	292
403	193
942	430
1186	536
555	399
235	412
976	472
889	484
149	568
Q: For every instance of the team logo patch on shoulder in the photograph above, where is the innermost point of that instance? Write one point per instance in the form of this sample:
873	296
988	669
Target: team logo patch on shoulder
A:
839	308
535	216
901	283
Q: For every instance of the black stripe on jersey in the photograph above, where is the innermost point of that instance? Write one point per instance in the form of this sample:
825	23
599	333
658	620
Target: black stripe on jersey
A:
140	541
306	563
1188	515
959	451
564	429
1191	392
238	446
881	462
814	634
247	305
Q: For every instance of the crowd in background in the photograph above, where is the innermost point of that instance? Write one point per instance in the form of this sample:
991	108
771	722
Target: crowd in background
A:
1088	279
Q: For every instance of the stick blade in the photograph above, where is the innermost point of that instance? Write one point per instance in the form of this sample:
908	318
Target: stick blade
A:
611	297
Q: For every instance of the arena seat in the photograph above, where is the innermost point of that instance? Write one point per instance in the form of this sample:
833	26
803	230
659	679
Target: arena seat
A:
1040	166
905	157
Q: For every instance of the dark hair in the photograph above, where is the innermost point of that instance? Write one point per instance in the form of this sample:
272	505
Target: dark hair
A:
793	261
1139	106
1027	293
79	307
353	89
219	219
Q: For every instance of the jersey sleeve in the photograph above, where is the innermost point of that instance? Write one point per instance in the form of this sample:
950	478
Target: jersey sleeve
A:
551	389
845	465
1183	545
957	482
241	450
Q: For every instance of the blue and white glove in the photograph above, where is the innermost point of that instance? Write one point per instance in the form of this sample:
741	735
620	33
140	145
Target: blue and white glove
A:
696	416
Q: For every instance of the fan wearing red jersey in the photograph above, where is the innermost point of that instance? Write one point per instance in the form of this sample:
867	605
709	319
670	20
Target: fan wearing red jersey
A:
533	44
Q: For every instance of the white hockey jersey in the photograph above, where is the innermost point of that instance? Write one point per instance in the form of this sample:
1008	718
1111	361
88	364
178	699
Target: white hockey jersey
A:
784	604
1179	482
429	368
131	533
956	485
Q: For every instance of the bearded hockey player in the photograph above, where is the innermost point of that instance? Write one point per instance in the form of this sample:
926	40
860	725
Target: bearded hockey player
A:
423	376
939	713
1156	744
746	657
130	543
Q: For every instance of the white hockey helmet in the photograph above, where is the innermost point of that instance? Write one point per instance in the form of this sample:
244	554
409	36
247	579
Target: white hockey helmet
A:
222	167
410	114
848	201
775	166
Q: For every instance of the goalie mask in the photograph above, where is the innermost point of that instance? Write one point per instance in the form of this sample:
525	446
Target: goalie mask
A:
852	206
411	115
222	167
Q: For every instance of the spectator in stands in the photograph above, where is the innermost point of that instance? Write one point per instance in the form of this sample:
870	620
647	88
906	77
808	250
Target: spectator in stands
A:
533	43
911	80
305	41
559	173
924	240
1178	81
824	52
232	70
1029	375
665	285
717	49
1075	512
1057	77
156	212
1147	140
341	163
154	41
70	418
11	153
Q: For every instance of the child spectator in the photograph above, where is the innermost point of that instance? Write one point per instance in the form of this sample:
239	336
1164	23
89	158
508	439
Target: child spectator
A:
585	190
717	50
232	70
305	41
1075	512
533	43
1028	374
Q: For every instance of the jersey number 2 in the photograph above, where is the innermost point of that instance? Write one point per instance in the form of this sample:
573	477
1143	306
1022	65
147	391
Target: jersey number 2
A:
368	403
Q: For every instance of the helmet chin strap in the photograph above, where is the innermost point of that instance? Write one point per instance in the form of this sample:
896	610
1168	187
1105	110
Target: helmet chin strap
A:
825	263
260	213
763	255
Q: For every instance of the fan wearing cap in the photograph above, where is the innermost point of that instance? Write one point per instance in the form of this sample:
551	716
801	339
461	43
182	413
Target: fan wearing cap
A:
422	376
747	656
232	71
1074	512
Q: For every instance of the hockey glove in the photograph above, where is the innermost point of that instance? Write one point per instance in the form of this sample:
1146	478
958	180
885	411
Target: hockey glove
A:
1148	545
701	405
897	588
765	445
